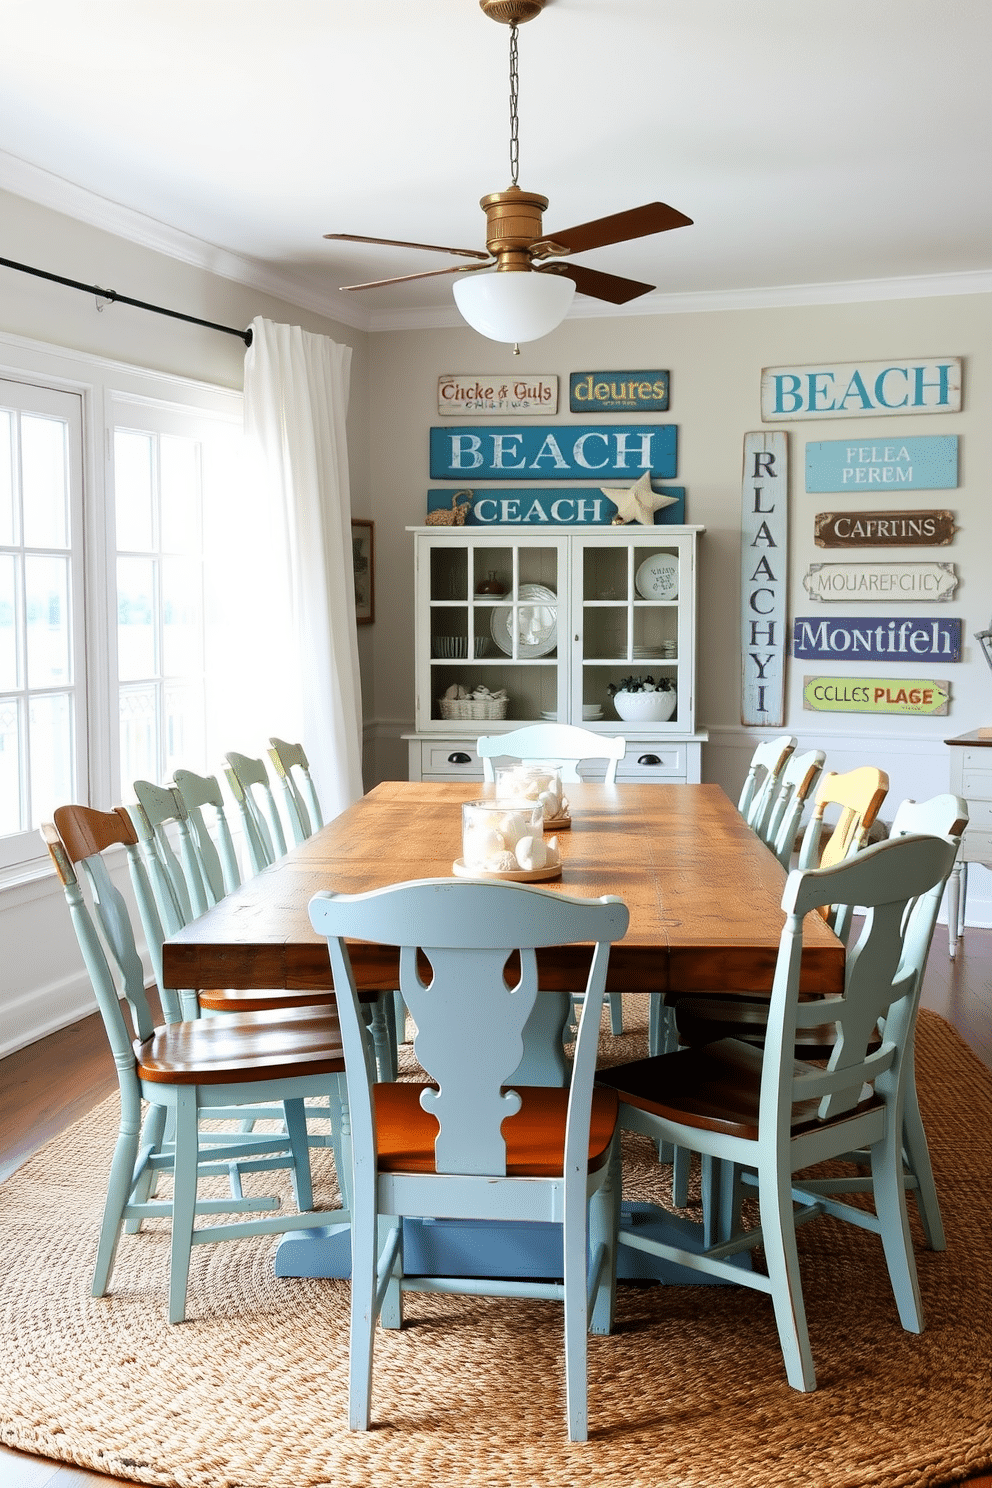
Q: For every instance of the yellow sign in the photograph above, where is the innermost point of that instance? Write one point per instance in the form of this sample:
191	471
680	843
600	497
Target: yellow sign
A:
875	695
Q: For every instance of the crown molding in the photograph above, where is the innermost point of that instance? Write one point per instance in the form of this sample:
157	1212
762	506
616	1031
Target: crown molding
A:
52	191
49	190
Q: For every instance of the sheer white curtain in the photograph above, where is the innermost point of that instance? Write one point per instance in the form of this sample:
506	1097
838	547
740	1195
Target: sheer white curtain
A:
296	399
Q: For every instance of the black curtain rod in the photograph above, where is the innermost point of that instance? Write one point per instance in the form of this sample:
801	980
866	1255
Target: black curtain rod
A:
112	295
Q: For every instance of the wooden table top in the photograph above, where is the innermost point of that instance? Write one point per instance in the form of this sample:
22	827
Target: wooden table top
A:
704	893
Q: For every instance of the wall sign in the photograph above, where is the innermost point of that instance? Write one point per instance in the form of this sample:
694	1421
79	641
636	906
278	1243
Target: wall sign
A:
875	695
764	573
618	392
530	506
554	452
856	389
926	463
870	638
472	393
875	581
879	529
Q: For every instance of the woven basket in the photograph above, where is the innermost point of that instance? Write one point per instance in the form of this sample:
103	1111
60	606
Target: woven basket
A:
472	708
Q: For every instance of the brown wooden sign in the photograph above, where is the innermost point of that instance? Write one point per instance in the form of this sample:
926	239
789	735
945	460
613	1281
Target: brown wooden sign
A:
884	529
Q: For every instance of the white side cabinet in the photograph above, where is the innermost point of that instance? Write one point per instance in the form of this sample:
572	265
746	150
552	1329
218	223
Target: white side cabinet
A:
553	619
971	777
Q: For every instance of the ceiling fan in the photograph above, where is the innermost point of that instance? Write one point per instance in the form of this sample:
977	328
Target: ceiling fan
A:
533	279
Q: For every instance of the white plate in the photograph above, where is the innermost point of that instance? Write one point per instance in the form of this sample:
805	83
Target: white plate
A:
589	713
520	875
537	623
658	577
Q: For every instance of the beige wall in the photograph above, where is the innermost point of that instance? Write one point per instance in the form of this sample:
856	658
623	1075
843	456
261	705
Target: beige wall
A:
715	360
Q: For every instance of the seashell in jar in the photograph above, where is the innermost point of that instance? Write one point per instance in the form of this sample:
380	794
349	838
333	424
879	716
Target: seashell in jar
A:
504	862
553	853
531	853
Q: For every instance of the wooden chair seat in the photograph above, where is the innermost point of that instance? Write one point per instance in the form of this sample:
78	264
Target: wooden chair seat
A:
714	1088
704	1020
245	1046
535	1136
259	999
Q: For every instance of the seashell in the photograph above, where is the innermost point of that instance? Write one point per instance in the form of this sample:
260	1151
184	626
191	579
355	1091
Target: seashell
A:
504	862
551	802
531	853
553	854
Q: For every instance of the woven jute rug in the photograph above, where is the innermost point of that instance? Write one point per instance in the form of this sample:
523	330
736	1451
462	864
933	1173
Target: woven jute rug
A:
690	1390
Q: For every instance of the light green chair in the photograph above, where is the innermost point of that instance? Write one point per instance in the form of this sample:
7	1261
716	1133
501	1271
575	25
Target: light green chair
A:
765	1112
172	1075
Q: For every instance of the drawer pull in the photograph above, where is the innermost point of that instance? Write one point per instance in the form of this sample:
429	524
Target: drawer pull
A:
649	759
459	758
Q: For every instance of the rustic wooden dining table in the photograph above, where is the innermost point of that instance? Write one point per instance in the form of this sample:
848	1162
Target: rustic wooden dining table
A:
704	893
704	896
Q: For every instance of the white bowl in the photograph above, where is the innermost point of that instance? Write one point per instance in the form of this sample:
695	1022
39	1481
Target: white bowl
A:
645	707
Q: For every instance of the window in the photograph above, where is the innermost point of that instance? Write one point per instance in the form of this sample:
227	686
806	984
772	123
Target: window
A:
131	586
42	679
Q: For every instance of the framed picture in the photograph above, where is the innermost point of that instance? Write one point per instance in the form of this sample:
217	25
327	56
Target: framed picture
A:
363	560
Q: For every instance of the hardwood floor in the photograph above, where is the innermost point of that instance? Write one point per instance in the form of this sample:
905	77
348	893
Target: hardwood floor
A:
49	1085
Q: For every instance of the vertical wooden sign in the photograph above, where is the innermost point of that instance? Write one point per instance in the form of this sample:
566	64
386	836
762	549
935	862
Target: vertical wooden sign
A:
764	576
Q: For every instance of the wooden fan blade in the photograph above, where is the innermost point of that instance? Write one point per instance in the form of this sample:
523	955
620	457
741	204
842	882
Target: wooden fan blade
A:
638	222
600	286
399	243
405	278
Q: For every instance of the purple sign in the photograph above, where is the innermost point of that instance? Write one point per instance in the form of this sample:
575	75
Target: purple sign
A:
868	638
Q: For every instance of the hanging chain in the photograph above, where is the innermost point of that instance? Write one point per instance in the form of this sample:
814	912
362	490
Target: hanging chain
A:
514	89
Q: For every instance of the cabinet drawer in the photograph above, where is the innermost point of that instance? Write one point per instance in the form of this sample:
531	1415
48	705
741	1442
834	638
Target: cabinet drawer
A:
977	759
979	815
644	762
447	759
976	784
976	846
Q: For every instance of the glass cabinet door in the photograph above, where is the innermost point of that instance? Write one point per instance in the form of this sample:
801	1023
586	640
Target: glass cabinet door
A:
633	608
492	614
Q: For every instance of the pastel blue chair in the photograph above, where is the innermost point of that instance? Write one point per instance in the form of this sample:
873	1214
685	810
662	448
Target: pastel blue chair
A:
299	793
773	1116
211	833
161	810
559	744
172	1075
758	791
702	1020
260	820
793	789
472	1142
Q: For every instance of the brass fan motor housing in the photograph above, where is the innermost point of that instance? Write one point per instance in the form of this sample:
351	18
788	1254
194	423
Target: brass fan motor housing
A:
511	12
513	222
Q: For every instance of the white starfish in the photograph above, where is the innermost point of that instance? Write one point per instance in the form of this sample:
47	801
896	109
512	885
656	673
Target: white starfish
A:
637	503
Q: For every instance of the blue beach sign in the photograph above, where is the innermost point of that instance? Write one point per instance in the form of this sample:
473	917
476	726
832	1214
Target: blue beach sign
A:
530	506
862	389
924	463
576	452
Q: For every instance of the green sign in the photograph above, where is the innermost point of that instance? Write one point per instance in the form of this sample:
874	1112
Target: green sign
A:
618	392
875	695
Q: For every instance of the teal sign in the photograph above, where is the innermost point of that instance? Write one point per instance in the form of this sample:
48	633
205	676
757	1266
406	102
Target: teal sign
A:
924	463
533	507
862	389
618	392
554	452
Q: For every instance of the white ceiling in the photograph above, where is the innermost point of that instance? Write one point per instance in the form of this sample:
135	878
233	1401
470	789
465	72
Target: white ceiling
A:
812	141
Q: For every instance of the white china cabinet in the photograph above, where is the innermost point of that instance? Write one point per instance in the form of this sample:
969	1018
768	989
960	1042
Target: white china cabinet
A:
551	620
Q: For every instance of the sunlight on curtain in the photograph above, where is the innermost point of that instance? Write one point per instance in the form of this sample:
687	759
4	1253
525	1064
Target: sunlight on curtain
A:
296	400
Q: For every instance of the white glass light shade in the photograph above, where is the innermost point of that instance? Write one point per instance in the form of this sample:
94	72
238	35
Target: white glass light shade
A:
514	306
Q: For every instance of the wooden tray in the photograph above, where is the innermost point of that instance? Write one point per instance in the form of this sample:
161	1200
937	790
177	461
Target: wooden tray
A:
557	823
521	875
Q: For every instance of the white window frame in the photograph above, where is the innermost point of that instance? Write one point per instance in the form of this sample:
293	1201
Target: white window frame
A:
106	388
